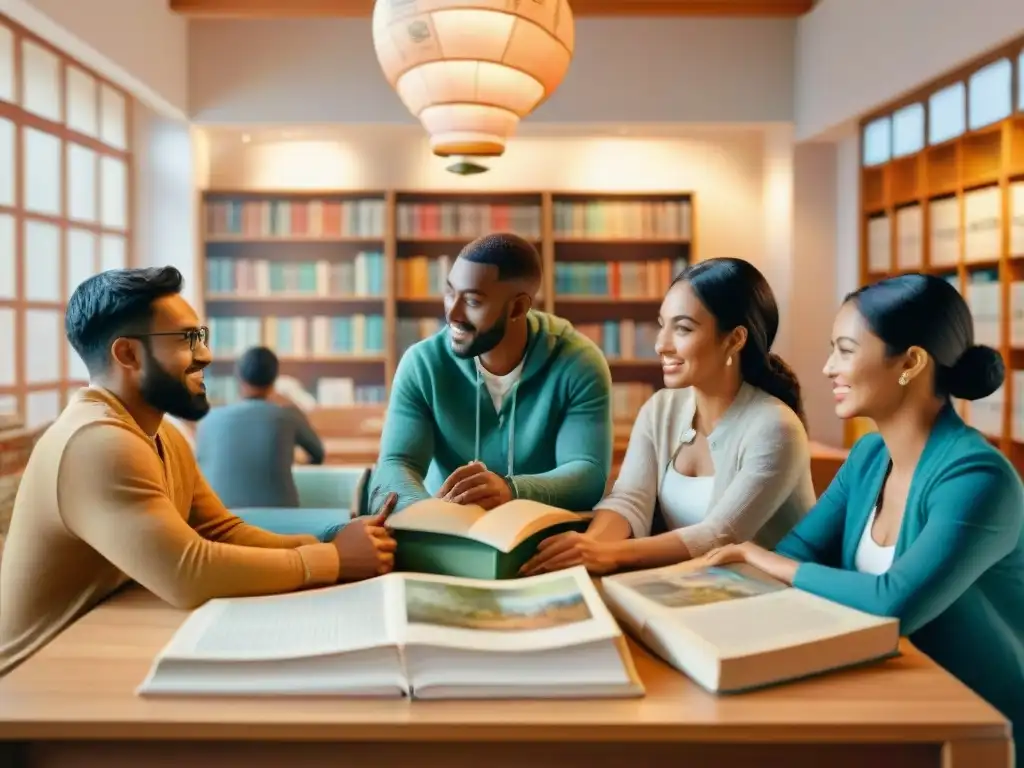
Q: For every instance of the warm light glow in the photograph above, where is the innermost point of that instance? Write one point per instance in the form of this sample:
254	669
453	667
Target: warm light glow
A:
305	165
470	70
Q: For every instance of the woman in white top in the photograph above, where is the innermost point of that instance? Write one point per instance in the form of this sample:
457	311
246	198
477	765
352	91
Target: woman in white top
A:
722	452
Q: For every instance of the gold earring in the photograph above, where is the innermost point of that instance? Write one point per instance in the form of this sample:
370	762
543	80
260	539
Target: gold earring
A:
728	360
904	379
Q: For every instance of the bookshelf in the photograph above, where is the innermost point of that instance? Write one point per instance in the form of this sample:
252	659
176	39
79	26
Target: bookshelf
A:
306	274
340	284
942	192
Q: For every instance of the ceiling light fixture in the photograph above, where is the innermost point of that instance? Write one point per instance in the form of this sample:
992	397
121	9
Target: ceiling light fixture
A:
470	70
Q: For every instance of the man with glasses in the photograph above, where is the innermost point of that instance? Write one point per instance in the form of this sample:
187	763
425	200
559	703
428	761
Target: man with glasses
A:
112	494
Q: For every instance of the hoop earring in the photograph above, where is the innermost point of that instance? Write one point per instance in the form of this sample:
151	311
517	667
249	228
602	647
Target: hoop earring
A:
904	379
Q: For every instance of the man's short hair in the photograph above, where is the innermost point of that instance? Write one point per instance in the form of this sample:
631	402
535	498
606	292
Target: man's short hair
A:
115	303
258	367
515	258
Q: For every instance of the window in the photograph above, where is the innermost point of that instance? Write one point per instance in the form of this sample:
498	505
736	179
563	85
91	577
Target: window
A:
878	141
63	211
947	113
908	130
990	94
1020	81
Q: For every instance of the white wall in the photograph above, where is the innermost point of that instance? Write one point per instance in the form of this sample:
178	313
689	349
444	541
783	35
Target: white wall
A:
814	265
847	231
138	44
165	202
722	168
853	56
300	71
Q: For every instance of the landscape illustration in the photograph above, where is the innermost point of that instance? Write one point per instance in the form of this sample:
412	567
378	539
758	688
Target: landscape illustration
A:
711	585
539	606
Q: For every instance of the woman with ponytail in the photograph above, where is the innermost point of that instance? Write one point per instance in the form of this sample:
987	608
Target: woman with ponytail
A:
721	454
924	520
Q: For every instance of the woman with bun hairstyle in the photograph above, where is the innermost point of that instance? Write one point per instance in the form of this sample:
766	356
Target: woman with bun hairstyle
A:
721	454
924	520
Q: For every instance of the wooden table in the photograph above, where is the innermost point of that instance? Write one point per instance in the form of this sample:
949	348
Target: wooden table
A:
73	704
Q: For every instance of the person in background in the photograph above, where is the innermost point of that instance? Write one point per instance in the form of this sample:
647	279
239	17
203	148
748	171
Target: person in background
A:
505	402
111	494
246	450
925	519
718	456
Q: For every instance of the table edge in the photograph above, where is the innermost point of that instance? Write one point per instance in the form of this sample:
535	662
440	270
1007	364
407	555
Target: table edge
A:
788	733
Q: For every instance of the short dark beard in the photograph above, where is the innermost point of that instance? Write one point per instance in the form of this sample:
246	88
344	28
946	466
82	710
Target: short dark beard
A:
167	394
484	341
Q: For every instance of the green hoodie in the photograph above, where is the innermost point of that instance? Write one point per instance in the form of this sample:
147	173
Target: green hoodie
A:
552	437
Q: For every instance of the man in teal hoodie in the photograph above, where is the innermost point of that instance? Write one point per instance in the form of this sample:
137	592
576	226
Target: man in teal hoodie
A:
505	402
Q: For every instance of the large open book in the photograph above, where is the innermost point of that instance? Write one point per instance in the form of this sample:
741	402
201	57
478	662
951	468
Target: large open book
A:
436	536
734	628
422	636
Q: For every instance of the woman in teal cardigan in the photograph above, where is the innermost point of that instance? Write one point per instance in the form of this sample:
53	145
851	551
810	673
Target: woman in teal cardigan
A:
923	521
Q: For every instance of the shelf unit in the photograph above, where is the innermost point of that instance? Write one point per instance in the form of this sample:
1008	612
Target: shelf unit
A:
273	261
952	204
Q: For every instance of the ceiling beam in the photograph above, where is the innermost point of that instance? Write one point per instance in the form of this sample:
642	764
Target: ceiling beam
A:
279	9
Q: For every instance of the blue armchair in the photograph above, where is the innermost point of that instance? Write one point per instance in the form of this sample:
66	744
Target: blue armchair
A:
329	496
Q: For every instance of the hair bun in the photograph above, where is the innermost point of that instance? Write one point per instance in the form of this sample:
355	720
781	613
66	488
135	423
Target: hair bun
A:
978	373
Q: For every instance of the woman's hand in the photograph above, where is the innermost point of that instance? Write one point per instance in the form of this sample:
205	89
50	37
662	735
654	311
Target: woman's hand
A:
775	565
566	550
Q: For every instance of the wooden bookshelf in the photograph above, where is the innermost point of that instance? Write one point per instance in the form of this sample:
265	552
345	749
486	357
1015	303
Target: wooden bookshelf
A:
280	266
942	192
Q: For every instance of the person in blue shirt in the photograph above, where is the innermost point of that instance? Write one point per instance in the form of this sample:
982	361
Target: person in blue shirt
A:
246	450
924	520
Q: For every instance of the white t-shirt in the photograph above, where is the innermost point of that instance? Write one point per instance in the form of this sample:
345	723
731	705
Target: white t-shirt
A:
499	386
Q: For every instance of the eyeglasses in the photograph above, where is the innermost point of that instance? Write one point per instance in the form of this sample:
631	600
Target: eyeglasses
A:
193	335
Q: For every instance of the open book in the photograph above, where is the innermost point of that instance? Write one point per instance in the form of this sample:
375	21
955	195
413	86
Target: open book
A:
422	636
436	536
734	628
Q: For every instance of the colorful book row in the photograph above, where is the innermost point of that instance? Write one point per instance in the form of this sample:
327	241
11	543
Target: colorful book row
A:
621	219
331	391
617	279
312	337
622	339
422	277
628	398
467	220
288	218
362	276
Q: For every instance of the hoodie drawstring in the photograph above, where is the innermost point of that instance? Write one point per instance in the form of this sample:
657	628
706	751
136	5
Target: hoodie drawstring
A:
511	427
476	445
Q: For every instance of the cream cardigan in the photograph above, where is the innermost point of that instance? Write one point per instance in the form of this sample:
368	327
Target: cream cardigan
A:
762	460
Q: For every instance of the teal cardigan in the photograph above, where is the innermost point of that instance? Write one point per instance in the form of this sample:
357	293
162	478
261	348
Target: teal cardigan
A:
957	579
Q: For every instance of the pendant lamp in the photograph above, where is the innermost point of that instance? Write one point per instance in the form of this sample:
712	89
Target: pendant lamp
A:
470	70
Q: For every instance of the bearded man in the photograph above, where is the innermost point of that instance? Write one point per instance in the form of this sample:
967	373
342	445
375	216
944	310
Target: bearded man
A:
111	494
503	403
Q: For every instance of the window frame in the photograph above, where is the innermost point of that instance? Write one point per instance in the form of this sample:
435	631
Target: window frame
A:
23	120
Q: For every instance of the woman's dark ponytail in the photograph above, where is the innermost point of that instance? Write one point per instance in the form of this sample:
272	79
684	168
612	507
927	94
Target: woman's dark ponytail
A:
774	376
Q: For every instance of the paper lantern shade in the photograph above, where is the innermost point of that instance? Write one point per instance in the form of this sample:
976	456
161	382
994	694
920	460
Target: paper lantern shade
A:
470	70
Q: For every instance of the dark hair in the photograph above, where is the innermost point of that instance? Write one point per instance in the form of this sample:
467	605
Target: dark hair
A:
114	303
916	310
258	367
737	294
515	257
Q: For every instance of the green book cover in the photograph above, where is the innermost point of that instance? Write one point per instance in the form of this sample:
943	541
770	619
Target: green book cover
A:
436	536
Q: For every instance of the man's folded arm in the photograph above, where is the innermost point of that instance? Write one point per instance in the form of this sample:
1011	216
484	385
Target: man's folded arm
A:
212	520
110	494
